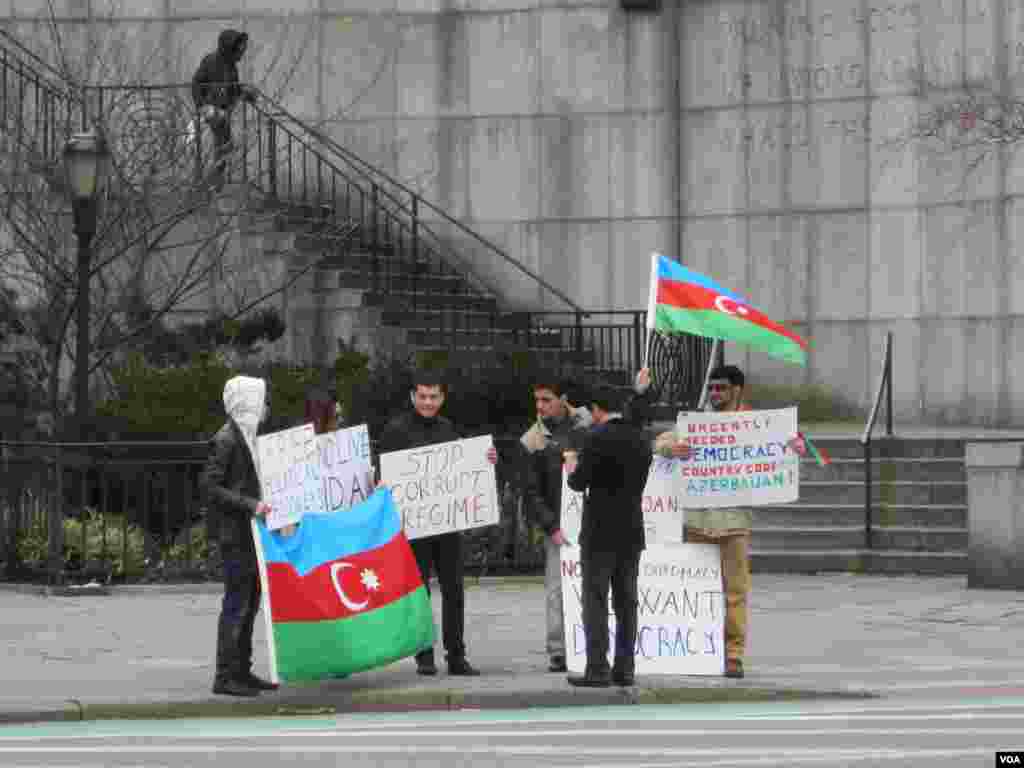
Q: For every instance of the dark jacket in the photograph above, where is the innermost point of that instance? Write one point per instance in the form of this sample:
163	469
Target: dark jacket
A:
232	489
410	430
216	80
543	445
612	469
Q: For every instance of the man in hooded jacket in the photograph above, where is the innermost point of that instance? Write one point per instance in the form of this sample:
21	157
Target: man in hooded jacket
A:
216	89
232	489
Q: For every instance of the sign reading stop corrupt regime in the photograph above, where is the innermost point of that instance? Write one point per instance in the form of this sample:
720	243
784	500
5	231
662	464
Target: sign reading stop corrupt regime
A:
443	488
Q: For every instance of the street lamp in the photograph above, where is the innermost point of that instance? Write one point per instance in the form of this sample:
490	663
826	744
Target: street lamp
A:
86	164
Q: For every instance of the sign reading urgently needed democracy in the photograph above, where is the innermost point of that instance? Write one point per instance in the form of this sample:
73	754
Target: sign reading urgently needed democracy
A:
346	471
739	458
289	470
680	622
444	487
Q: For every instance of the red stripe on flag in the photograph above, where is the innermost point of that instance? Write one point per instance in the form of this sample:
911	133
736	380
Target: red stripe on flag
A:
345	587
692	296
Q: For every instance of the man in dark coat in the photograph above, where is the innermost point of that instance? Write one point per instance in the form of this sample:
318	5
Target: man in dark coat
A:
423	426
216	89
232	489
612	471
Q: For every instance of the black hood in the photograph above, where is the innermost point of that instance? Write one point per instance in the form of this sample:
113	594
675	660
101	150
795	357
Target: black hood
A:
229	42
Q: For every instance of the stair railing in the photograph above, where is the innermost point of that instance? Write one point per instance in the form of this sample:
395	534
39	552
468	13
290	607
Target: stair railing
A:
884	388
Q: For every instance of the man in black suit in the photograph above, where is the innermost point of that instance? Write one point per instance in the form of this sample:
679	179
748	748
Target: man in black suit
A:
612	471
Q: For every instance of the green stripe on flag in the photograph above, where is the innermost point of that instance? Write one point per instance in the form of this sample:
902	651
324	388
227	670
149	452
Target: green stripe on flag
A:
721	325
319	650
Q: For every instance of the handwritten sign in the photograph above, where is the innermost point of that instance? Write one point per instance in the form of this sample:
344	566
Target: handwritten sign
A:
443	488
346	472
681	609
289	470
739	458
663	503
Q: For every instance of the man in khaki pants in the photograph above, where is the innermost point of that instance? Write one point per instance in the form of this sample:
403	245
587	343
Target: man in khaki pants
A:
727	527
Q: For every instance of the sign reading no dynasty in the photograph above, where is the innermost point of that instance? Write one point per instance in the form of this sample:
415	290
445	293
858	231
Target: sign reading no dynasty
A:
289	470
444	487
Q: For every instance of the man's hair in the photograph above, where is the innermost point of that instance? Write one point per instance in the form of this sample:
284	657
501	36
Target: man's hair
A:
607	398
550	382
429	377
731	372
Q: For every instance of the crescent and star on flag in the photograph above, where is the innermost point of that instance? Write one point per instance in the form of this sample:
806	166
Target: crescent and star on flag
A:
369	579
730	307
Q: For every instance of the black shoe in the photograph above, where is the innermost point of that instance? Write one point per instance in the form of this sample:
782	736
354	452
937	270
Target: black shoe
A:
557	664
734	668
623	678
259	683
426	666
591	680
459	666
234	688
622	672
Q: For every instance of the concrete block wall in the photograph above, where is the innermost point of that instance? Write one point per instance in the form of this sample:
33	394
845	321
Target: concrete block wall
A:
770	143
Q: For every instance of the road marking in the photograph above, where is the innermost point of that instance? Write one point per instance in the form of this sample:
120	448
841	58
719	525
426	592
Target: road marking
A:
829	757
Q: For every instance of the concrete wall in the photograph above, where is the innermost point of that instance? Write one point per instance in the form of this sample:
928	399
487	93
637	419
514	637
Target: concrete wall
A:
770	143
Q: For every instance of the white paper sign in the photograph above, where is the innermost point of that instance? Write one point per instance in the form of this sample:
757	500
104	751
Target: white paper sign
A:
444	487
739	459
680	622
346	470
662	505
289	469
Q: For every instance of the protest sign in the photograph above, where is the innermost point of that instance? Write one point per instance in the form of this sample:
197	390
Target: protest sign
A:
444	487
289	470
681	610
662	505
739	459
346	472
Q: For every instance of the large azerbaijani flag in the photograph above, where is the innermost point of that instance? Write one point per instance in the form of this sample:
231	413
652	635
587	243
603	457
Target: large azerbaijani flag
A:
344	591
684	301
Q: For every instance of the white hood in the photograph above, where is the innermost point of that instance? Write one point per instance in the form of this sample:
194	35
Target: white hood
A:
245	400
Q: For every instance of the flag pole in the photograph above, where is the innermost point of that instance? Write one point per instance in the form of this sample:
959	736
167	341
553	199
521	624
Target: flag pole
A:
707	375
652	303
261	561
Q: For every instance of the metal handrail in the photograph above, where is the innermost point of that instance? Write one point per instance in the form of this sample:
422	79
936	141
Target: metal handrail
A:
369	171
884	386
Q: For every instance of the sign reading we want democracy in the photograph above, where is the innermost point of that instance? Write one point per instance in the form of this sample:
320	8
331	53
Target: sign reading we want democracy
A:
444	487
739	458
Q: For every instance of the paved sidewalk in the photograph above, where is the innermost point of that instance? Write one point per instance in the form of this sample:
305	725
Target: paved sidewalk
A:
149	651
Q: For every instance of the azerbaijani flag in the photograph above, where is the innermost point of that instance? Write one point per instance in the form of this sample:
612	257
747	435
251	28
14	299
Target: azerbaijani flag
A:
684	301
345	593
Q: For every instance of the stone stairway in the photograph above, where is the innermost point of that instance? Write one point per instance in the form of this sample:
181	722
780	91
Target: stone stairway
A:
919	512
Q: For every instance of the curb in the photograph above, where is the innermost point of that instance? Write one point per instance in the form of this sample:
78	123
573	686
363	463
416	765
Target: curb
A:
317	701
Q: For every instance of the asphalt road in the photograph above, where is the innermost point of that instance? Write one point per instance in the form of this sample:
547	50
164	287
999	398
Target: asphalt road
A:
888	732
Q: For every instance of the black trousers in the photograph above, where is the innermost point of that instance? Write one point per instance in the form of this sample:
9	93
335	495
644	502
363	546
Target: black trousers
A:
237	616
443	554
618	571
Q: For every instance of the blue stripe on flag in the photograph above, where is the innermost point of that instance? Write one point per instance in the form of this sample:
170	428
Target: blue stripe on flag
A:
323	538
673	270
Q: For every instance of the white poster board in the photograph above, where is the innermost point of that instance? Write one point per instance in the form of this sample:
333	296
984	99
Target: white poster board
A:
680	626
739	459
346	469
444	487
289	470
662	505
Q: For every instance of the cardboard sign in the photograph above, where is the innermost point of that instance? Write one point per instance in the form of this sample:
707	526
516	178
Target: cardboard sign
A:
681	610
739	459
662	505
443	488
346	470
289	469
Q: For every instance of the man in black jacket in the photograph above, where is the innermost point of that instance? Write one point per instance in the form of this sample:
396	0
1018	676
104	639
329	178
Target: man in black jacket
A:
216	90
612	471
232	489
423	426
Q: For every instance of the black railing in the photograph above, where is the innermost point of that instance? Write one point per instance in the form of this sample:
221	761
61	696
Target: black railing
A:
884	388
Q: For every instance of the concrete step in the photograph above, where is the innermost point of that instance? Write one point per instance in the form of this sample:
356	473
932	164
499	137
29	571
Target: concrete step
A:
827	538
472	357
891	562
891	447
400	281
476	338
397	300
902	492
908	470
824	515
448	319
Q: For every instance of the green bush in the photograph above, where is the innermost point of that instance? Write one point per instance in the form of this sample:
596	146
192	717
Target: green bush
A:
33	546
815	402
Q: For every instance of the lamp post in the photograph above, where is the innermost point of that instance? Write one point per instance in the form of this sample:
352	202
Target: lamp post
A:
86	164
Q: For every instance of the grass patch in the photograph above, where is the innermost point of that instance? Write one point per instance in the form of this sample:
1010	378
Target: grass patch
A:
815	402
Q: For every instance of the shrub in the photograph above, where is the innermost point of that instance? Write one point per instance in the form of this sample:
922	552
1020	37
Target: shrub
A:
815	402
